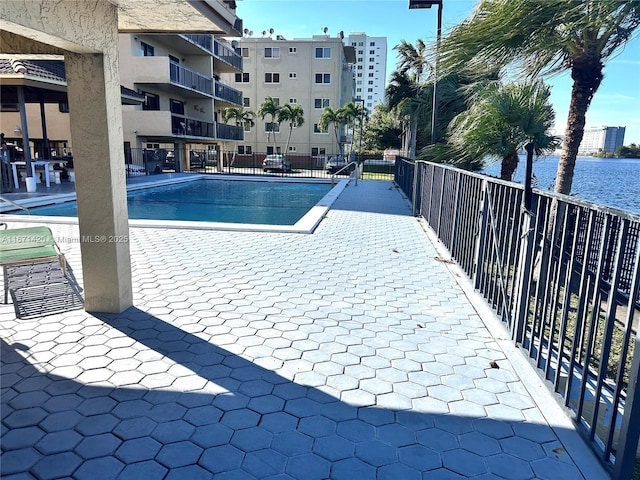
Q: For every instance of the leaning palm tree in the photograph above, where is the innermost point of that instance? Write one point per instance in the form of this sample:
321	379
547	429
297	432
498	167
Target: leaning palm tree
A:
331	116
546	37
500	119
294	115
269	108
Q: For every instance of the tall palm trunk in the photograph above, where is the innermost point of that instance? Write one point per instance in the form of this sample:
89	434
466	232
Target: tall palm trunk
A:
509	165
587	76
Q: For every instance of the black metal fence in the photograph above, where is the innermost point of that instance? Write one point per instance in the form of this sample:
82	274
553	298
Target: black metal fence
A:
564	278
141	161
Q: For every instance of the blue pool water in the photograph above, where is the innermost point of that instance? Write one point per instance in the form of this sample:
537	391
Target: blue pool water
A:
253	202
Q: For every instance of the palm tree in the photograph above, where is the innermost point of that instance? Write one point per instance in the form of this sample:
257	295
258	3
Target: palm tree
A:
546	37
399	89
241	117
332	116
269	108
500	119
292	114
412	62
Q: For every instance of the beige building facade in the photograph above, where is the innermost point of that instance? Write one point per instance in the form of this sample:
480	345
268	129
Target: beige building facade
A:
180	78
314	73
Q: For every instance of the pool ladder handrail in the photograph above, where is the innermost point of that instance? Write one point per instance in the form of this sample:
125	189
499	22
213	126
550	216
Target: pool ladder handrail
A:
17	205
333	175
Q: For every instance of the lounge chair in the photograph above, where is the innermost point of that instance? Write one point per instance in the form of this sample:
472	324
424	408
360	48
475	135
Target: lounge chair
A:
26	246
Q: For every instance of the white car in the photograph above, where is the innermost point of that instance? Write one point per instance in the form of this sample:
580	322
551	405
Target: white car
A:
276	162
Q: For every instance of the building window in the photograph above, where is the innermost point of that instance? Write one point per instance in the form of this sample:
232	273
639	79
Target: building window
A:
293	75
146	50
359	75
276	100
293	49
323	78
370	82
358	89
371	74
372	52
323	52
316	151
292	148
372	59
271	127
361	44
242	78
246	102
372	44
62	108
360	52
321	103
293	101
245	149
151	101
272	52
247	126
371	67
272	78
369	89
359	67
317	129
176	106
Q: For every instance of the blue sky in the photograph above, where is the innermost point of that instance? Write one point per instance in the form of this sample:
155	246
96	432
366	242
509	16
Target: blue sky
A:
616	103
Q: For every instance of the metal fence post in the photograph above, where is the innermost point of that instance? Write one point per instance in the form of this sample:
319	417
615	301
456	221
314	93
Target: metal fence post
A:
521	305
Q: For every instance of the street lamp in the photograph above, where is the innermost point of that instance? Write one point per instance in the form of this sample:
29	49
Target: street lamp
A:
413	4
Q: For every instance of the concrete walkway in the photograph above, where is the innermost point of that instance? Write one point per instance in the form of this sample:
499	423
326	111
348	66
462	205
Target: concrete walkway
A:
352	353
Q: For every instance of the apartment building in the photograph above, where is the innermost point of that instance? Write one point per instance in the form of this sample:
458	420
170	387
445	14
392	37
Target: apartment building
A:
180	78
314	73
370	68
601	138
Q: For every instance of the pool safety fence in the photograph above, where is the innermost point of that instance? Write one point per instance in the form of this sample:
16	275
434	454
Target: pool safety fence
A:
564	278
150	161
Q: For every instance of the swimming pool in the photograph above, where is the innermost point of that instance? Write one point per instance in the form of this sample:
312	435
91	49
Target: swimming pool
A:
205	202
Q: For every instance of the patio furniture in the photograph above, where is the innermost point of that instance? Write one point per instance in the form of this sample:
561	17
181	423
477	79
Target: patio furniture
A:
26	246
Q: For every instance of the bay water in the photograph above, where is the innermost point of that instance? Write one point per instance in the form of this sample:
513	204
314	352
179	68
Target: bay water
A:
613	182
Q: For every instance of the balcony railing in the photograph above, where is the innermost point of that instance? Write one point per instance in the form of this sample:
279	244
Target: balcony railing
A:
229	132
226	54
194	128
216	48
188	78
228	94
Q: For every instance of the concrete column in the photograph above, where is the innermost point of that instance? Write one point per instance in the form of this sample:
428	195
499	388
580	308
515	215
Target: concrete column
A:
96	132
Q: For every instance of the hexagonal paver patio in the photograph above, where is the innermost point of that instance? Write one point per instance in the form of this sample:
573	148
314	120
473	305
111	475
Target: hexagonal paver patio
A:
350	353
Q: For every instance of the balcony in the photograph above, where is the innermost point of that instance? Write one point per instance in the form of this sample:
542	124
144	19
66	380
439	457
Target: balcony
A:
171	77
229	60
229	132
226	94
188	78
227	55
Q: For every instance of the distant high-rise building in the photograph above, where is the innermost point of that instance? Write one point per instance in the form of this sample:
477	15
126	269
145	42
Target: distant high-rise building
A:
370	68
601	138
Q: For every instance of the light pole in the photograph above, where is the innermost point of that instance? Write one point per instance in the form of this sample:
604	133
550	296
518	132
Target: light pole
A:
413	4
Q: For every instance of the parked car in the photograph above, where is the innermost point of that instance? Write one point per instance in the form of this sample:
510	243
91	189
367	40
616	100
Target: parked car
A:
195	160
276	162
336	164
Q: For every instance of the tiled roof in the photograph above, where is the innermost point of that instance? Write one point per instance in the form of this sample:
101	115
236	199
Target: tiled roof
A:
45	69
